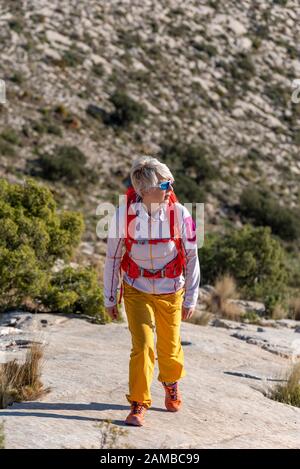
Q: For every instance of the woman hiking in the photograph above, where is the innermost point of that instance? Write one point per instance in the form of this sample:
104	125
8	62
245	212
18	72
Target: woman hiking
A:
160	276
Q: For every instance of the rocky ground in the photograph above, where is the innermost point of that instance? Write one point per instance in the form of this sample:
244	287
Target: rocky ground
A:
87	367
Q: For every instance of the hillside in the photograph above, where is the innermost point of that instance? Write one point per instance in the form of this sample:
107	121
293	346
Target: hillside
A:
217	75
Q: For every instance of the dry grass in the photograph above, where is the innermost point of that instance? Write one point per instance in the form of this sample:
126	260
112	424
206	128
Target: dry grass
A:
21	381
2	438
226	288
231	311
110	434
109	437
294	308
289	392
279	312
200	318
218	301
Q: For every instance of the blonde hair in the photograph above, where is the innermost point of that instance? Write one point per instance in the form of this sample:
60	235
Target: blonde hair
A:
145	171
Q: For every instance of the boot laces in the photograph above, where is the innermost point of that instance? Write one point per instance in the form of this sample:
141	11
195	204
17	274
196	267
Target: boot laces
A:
137	407
172	390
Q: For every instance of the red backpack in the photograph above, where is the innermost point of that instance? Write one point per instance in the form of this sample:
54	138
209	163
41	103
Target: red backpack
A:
170	270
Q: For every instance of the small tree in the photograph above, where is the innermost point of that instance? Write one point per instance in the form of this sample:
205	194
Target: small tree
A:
33	234
261	208
252	256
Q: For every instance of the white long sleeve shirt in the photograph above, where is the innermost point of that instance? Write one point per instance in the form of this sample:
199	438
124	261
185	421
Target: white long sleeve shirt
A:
151	256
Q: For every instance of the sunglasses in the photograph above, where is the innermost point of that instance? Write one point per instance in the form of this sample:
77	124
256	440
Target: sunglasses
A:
164	186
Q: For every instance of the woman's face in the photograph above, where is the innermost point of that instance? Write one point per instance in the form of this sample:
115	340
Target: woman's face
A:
157	195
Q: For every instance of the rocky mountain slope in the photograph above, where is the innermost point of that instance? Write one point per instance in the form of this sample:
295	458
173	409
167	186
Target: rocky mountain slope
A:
214	73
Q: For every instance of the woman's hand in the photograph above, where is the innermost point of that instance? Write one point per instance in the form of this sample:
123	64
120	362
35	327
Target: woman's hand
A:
112	311
187	313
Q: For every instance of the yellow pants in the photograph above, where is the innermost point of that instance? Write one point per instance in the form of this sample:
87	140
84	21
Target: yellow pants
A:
141	310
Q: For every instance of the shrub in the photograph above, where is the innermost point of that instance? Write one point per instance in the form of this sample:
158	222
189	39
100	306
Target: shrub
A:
187	190
126	111
98	70
66	164
251	317
47	125
259	206
278	312
10	136
200	318
241	68
294	308
71	58
22	381
280	2
191	168
218	300
75	291
17	77
2	437
278	94
32	236
6	149
98	113
16	25
252	256
288	393
206	48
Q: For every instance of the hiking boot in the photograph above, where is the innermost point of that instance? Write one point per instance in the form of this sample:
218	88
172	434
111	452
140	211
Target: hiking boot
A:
136	415
173	399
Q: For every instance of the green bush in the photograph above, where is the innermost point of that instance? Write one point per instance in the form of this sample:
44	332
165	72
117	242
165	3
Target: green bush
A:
17	77
46	125
126	111
280	2
252	256
251	317
241	68
75	291
66	164
191	168
98	70
16	25
262	209
32	236
187	190
205	48
278	94
72	58
6	149
10	136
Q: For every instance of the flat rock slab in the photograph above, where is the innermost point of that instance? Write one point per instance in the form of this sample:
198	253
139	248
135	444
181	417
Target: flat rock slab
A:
87	367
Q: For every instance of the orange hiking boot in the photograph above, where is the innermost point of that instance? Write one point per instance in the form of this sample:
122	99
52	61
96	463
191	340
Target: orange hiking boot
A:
173	399
136	415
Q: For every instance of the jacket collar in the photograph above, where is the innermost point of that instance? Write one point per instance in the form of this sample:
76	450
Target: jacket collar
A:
142	212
